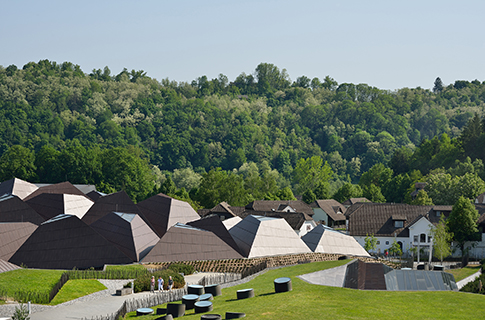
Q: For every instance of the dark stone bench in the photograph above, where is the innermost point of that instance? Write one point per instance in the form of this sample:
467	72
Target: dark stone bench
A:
176	309
143	311
245	293
189	300
438	268
161	310
203	306
235	315
205	297
211	317
123	291
167	317
214	289
282	285
195	289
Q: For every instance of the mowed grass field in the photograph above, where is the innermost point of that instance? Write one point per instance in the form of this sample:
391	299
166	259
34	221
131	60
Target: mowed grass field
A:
462	273
74	289
309	301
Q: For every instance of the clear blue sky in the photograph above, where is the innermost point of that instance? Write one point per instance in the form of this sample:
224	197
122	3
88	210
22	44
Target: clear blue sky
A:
388	44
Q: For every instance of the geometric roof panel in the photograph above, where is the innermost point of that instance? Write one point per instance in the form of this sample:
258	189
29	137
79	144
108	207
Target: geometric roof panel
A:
12	209
12	236
66	242
118	202
186	243
18	187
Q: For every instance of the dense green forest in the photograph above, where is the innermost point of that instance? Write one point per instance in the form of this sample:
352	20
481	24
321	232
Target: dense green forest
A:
260	136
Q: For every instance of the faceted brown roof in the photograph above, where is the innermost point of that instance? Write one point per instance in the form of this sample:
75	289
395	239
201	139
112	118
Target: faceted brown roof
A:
214	224
332	208
118	202
186	243
18	187
95	195
59	188
49	205
270	205
376	218
12	209
162	212
128	232
294	219
12	236
66	242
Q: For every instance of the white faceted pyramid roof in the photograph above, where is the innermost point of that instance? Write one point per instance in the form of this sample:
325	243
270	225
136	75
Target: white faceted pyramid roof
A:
231	222
263	236
325	240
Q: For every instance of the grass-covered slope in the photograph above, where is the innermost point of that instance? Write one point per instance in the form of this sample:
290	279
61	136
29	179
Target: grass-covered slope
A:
320	302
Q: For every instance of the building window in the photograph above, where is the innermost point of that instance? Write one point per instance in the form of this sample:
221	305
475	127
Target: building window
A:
429	238
422	237
416	238
378	242
387	242
398	224
438	213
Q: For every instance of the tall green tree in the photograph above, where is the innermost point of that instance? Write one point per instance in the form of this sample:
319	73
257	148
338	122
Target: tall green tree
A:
441	240
370	242
462	222
311	172
17	162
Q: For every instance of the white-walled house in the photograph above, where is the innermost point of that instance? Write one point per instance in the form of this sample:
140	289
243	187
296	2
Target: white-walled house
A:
409	225
329	212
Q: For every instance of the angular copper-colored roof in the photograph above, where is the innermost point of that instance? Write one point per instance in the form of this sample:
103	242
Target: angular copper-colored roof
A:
214	224
66	242
12	236
270	205
294	219
128	232
12	209
7	266
332	208
49	205
59	188
162	212
376	218
18	187
264	236
118	202
326	240
186	243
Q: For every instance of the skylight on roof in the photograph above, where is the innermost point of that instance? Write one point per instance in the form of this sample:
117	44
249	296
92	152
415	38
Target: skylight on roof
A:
127	216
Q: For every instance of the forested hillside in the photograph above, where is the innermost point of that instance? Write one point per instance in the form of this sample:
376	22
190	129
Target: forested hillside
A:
269	136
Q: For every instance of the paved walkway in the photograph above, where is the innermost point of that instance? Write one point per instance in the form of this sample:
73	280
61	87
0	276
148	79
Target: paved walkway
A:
461	283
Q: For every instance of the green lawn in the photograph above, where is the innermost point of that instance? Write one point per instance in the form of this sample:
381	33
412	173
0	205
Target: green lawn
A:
321	302
462	273
28	280
74	289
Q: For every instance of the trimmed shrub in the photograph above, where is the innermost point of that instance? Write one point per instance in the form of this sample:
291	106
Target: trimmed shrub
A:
181	268
142	282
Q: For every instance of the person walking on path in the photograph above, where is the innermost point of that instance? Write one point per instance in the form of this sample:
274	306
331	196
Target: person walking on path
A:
160	284
152	285
170	283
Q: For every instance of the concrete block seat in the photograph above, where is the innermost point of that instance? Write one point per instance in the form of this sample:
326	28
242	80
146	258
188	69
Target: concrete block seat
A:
282	285
211	317
161	311
203	306
438	268
176	309
195	289
215	289
206	296
189	300
235	315
245	293
166	317
143	311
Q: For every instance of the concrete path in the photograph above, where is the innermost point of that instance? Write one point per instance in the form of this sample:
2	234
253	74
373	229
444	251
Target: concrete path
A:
461	283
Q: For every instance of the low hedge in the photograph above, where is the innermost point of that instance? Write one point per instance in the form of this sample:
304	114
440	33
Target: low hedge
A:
182	268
